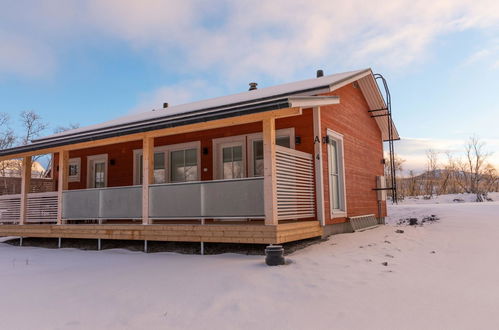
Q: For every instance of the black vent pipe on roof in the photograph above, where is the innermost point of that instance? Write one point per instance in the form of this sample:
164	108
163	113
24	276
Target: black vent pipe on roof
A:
165	105
320	73
252	86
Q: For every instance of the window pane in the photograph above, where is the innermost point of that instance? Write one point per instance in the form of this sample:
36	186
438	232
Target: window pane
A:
258	157
177	166
227	154
177	158
258	149
283	141
191	173
184	165
258	167
73	170
191	157
99	175
336	192
159	160
160	176
237	153
227	170
334	157
237	169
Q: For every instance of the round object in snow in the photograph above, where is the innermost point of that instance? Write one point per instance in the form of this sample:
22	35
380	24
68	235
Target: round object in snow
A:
274	255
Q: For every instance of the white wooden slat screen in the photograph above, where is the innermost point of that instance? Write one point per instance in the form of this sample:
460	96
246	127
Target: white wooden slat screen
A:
295	184
42	207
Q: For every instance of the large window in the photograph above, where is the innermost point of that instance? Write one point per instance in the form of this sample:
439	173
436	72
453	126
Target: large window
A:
159	167
336	174
184	165
172	163
242	155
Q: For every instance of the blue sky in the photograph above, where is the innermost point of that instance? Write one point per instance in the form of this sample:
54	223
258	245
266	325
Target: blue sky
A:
89	61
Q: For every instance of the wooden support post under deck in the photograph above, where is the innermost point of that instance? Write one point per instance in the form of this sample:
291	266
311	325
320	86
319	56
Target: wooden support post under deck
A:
269	172
25	188
62	182
147	175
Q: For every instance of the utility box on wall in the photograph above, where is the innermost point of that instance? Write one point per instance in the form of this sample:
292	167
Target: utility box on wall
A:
381	186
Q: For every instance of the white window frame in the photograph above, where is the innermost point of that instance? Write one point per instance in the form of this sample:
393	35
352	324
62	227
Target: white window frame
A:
77	162
217	156
259	136
167	149
90	161
342	211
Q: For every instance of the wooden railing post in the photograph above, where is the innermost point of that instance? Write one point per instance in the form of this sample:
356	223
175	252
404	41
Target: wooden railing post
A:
25	188
269	172
147	175
62	181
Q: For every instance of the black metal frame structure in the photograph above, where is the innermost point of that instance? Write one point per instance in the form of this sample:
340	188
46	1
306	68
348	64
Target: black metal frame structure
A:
388	113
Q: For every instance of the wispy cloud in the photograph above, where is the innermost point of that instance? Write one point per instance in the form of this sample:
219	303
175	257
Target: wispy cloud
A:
25	57
259	38
179	93
488	55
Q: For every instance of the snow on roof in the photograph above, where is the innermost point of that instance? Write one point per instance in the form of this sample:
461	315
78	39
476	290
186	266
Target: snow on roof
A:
246	97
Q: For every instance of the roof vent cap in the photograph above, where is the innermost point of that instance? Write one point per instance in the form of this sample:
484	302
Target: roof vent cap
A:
252	86
320	73
165	105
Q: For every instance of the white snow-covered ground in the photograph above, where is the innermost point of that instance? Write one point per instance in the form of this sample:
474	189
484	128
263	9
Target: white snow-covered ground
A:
442	275
469	198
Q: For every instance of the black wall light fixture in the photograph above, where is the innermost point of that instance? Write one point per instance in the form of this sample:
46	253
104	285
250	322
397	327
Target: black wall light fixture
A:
297	139
205	151
112	162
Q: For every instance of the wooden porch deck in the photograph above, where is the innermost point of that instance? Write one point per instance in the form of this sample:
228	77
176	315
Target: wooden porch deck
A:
215	233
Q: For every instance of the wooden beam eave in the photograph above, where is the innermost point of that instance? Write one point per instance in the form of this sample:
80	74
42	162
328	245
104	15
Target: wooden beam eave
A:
231	121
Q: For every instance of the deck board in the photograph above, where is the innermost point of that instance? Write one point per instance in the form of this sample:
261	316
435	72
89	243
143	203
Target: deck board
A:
217	233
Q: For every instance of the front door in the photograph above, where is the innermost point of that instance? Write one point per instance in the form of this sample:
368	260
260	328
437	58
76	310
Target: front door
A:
99	174
97	171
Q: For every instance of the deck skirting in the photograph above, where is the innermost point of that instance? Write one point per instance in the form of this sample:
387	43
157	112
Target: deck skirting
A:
215	233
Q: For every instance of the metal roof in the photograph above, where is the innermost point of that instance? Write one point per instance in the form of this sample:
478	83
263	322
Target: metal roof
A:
301	93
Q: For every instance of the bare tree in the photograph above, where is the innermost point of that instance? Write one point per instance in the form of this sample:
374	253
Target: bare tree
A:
431	174
490	178
472	168
60	129
33	126
7	136
398	161
7	140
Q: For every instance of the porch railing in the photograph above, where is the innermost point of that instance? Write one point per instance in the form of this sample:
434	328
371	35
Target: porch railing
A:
237	198
295	184
102	203
41	207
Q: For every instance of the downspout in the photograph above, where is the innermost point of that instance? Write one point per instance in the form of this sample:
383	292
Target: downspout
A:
319	174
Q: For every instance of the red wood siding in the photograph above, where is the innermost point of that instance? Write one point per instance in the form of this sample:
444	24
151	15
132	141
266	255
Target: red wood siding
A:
363	152
121	173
